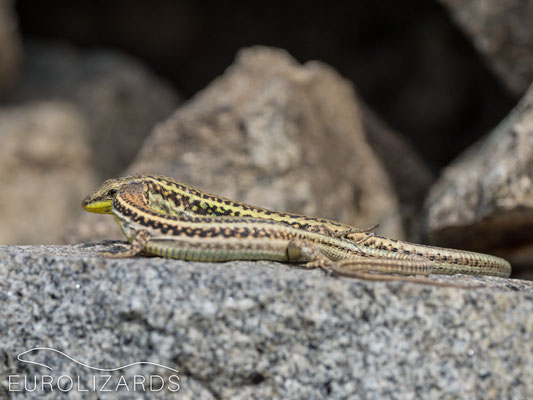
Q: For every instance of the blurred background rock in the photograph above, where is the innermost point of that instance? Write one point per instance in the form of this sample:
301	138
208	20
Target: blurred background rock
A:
408	86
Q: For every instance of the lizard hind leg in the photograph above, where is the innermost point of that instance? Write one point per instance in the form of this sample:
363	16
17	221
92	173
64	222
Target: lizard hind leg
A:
299	250
347	232
356	235
369	269
137	246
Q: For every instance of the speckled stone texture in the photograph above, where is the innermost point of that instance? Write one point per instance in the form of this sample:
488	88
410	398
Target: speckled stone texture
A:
246	330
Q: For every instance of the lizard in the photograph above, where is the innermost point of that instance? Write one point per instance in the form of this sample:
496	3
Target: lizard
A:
164	217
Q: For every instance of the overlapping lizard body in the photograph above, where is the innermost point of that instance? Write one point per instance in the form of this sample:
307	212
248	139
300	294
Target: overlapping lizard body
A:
163	217
133	212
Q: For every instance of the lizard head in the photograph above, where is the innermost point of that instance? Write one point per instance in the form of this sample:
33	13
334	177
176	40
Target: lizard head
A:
101	200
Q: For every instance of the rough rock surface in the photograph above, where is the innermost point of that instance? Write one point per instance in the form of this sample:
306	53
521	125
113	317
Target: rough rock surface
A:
121	100
10	47
484	200
44	170
262	330
503	32
273	133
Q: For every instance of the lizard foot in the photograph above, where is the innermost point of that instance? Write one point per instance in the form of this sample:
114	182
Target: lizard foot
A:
137	246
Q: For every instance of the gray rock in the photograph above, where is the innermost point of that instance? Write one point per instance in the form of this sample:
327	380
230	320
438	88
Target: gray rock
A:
45	168
119	97
277	134
10	47
260	329
484	200
502	31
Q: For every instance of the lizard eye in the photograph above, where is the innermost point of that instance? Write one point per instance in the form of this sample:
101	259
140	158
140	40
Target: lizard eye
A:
112	192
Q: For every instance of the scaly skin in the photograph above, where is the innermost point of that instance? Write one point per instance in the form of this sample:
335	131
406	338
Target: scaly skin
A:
222	229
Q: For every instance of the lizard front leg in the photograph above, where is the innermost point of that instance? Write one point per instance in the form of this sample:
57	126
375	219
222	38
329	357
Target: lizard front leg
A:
137	246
